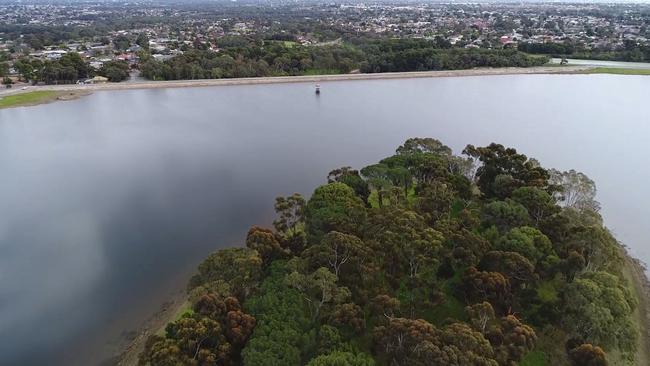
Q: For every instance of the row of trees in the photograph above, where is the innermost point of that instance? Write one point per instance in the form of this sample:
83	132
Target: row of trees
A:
241	57
68	69
272	59
630	51
277	58
547	48
423	258
390	55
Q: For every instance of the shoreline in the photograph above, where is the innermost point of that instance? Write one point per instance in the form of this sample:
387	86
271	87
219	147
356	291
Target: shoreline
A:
88	89
168	312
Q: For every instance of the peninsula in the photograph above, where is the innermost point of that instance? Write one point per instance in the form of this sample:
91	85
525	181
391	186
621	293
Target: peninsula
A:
481	259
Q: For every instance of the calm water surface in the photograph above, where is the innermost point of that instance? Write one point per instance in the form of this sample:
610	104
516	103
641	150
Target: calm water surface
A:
107	203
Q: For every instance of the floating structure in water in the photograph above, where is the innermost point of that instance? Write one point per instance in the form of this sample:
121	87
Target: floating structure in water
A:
317	88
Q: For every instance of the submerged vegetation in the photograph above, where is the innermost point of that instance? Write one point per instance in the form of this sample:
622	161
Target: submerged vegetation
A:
425	258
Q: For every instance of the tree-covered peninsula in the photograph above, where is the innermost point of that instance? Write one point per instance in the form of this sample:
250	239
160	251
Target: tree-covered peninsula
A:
425	258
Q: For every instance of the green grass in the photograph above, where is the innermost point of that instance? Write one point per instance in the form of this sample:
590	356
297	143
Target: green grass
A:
535	358
29	98
618	71
286	44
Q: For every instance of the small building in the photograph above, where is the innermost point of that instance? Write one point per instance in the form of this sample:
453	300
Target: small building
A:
96	64
97	80
54	54
159	57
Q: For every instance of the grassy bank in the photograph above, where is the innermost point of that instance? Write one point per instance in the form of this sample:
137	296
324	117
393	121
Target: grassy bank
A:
30	98
39	97
618	71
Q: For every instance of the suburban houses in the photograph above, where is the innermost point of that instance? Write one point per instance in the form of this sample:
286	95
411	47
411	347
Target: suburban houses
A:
103	33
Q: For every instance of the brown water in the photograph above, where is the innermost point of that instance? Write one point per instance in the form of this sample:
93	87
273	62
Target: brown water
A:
107	203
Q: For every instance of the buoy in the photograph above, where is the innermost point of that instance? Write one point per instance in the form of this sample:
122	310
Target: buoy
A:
317	89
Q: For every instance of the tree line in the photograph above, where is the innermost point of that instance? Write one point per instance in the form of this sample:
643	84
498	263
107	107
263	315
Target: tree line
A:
68	69
630	51
241	57
252	60
423	258
282	58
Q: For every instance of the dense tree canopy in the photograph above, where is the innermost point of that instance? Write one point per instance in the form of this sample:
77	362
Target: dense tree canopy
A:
425	258
334	207
631	51
339	358
247	57
66	70
115	71
598	307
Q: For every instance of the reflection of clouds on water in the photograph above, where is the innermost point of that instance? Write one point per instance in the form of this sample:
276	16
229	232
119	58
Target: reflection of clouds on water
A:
99	214
49	280
50	236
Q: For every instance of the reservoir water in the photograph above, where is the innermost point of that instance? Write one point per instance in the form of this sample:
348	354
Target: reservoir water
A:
107	203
